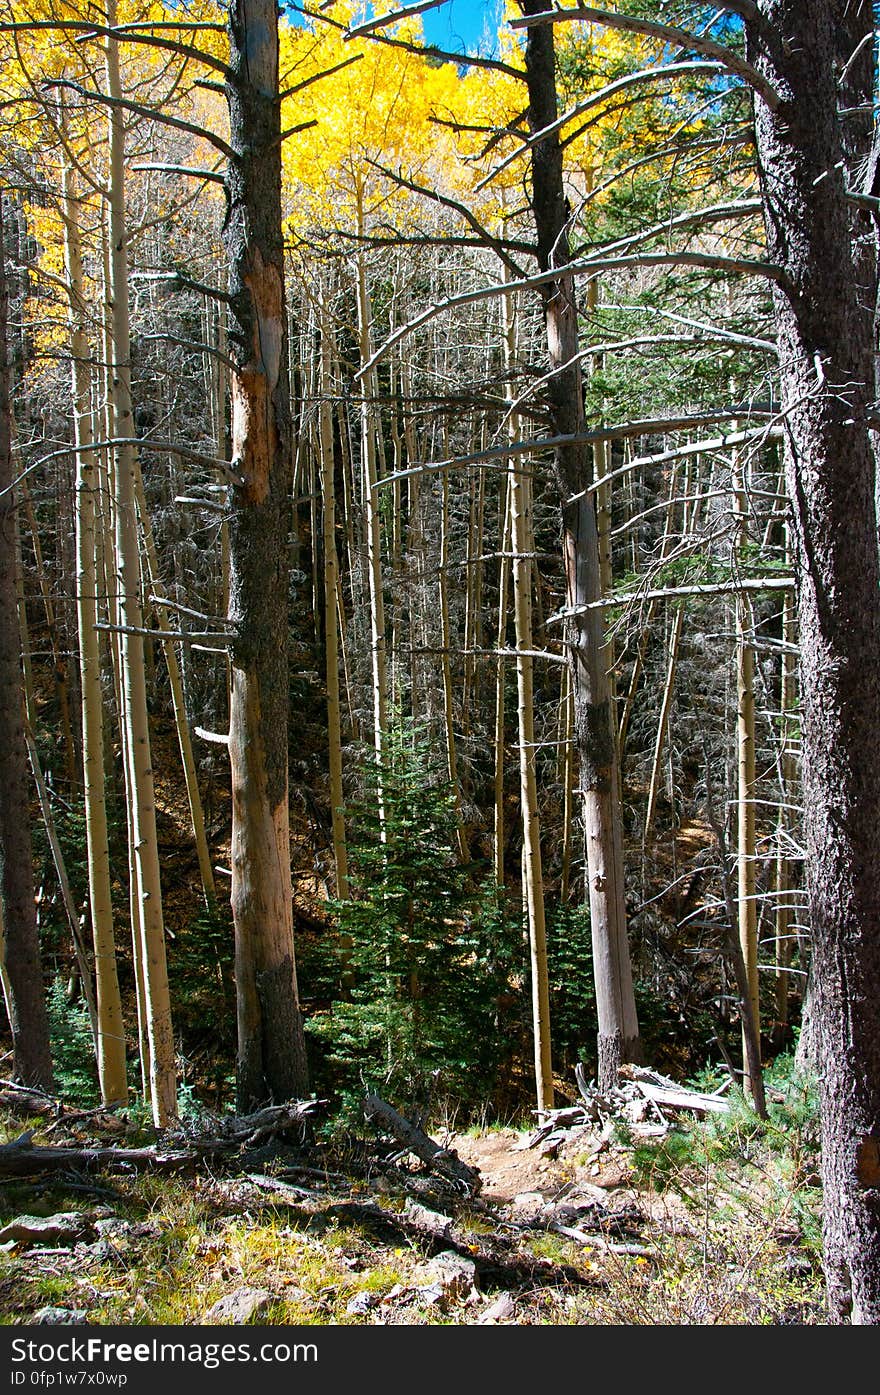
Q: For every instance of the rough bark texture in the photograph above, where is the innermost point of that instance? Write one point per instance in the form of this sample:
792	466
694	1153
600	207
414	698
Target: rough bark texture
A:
271	1044
594	734
26	1003
808	152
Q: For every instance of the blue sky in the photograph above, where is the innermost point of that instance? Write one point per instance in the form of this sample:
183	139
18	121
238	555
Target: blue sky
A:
462	26
459	26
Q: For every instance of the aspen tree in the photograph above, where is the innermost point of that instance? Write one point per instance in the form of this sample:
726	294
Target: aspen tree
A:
111	1028
599	784
747	908
162	1077
372	520
331	589
522	546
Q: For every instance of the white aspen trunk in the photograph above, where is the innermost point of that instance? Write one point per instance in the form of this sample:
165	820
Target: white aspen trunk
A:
503	589
414	547
747	906
178	701
111	1027
663	719
787	772
106	524
163	1086
618	1036
369	467
331	587
522	545
446	666
567	790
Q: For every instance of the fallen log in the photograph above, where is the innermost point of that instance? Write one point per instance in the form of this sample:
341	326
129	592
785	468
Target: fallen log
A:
21	1158
444	1161
23	1099
497	1263
669	1095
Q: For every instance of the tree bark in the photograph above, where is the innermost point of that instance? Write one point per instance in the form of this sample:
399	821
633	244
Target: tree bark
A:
824	322
21	948
271	1043
111	1027
150	945
594	732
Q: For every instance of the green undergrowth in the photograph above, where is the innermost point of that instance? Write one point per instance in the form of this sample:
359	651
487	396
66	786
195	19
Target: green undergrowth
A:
725	1231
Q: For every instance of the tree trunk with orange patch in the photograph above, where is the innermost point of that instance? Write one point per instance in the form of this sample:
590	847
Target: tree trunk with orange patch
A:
271	1044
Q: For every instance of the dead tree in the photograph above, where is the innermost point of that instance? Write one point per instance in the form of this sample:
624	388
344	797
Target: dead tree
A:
23	978
271	1043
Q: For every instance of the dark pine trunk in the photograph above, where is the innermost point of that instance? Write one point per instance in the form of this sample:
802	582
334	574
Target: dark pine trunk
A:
594	729
809	150
271	1044
26	1000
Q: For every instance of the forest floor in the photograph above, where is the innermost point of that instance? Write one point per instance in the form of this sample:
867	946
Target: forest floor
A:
714	1222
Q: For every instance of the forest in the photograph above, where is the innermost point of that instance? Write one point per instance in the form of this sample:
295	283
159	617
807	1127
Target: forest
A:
439	663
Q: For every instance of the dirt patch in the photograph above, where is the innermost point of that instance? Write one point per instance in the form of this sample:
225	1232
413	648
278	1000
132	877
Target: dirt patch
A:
509	1168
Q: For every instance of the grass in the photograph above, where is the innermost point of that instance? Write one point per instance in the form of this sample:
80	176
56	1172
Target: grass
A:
730	1210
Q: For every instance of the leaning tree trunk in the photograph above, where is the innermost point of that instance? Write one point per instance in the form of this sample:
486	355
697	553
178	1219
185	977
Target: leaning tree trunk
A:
271	1043
823	308
32	1059
594	730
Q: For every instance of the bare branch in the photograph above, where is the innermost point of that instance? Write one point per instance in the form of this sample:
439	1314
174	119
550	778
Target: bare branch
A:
181	282
150	115
469	60
435	196
195	345
316	77
595	99
663	593
585	266
648	427
295	130
405	12
742	208
214	176
747	340
733	438
667	33
126	32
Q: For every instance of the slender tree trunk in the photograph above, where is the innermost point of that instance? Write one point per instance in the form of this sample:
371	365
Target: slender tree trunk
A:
111	1029
787	772
373	525
162	1078
824	323
271	1042
663	719
178	703
32	1058
518	520
533	880
594	733
746	853
498	836
331	585
446	666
